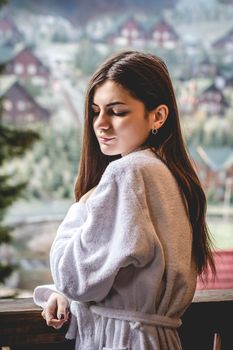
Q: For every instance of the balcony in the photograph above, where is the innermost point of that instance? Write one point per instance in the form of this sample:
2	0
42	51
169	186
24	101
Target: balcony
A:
206	325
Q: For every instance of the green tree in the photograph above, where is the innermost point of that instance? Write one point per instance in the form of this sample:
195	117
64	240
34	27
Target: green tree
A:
13	143
56	159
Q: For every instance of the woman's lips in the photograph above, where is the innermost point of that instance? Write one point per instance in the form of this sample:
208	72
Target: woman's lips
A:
106	139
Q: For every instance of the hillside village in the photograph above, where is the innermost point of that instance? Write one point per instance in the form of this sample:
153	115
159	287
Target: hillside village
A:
48	60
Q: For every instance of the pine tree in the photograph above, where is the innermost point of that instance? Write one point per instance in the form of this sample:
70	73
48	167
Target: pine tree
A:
13	142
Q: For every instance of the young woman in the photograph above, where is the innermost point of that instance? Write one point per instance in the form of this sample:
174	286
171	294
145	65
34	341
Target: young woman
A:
127	255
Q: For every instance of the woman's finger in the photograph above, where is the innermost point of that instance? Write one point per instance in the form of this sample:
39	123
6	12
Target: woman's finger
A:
62	310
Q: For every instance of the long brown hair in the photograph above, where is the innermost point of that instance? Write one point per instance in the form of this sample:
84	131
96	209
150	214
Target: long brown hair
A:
146	77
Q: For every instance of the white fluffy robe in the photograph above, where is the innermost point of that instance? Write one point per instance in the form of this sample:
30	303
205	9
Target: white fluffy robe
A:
129	247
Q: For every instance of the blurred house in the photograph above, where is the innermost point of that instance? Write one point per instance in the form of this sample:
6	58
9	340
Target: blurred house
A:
19	107
26	65
129	33
205	69
224	43
132	32
9	33
163	35
214	166
212	101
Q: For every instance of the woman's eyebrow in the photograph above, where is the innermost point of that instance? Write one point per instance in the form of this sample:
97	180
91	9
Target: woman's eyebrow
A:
115	103
111	103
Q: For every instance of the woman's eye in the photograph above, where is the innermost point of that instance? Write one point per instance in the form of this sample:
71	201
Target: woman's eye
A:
110	112
119	113
95	113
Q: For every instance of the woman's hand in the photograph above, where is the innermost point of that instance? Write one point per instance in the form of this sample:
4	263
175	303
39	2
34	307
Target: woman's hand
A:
86	195
56	312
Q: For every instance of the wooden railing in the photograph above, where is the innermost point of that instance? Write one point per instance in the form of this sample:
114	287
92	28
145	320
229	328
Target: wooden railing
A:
207	325
23	328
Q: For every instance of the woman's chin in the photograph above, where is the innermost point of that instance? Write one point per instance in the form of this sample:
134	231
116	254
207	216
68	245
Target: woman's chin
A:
109	152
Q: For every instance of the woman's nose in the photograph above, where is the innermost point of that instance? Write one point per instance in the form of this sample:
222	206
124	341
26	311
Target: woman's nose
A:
102	121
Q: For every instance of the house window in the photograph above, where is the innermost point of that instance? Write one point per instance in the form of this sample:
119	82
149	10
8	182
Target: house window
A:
19	68
157	35
125	32
30	117
21	105
31	68
166	35
7	104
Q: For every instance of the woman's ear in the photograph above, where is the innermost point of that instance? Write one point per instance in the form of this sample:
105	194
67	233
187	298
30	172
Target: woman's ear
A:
159	116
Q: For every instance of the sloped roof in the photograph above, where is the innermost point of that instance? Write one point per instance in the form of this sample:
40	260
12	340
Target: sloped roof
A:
163	25
223	39
224	276
121	22
7	23
214	88
217	158
229	81
28	49
195	156
7	53
8	83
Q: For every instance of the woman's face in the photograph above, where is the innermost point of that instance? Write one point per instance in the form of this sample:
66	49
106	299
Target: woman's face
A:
121	123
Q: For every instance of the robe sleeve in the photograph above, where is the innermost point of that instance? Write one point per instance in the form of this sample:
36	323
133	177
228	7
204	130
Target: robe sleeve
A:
42	293
117	231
